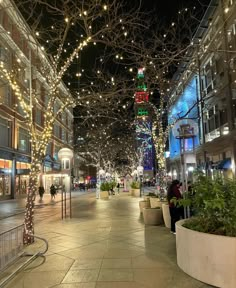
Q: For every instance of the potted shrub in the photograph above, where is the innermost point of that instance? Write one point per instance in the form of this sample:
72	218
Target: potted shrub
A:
104	190
135	189
206	243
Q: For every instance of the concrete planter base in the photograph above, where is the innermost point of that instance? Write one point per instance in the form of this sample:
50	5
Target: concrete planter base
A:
152	216
104	195
155	202
166	215
143	204
135	192
206	257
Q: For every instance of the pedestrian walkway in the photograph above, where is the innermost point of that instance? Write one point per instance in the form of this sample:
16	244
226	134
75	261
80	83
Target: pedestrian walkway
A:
13	207
104	245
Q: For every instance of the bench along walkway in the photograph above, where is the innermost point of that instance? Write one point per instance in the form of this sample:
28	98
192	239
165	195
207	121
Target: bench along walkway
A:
104	245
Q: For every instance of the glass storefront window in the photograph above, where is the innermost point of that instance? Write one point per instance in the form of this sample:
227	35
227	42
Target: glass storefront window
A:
22	165
47	169
22	182
5	184
65	164
5	164
23	140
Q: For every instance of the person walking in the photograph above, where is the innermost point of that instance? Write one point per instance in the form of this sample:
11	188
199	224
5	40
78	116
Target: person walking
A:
41	192
53	192
175	210
118	188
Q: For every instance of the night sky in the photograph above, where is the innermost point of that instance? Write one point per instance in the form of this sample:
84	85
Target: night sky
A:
163	12
167	9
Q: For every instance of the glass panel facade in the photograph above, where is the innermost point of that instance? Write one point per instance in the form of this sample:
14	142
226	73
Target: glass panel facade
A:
23	140
5	133
5	181
38	116
185	104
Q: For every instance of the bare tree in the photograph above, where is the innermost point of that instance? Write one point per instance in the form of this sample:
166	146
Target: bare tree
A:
60	30
166	50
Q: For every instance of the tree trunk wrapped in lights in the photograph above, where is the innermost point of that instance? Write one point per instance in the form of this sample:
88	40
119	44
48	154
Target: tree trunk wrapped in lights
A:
29	212
159	141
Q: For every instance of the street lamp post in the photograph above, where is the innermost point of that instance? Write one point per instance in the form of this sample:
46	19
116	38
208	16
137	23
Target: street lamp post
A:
66	156
134	174
140	174
101	175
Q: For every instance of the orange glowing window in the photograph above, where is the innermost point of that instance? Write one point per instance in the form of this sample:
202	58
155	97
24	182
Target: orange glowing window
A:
5	164
22	165
1	163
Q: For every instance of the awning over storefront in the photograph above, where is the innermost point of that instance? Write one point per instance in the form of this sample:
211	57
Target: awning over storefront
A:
22	171
48	161
51	162
224	164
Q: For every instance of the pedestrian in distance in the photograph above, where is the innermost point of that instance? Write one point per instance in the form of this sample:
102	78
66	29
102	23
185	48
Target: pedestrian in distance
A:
41	192
53	192
118	188
112	192
176	212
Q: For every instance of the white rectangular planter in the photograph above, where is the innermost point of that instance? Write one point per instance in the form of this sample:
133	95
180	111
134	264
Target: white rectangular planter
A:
166	215
152	216
143	204
155	202
206	257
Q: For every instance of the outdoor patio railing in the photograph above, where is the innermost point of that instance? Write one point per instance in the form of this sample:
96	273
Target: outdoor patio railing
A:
11	245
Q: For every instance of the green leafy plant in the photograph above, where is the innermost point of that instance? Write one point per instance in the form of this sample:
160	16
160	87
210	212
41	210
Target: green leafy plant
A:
105	186
135	185
214	204
185	201
113	184
151	194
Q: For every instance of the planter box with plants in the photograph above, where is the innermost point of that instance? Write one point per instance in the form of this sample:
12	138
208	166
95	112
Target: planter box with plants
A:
135	189
206	243
104	190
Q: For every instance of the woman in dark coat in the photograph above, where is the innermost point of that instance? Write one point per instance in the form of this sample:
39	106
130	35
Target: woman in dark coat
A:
175	212
53	191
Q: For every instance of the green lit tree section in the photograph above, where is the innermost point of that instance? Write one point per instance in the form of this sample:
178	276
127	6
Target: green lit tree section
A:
144	141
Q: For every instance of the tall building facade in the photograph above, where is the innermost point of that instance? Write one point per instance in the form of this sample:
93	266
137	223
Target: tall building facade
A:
212	67
143	127
24	57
